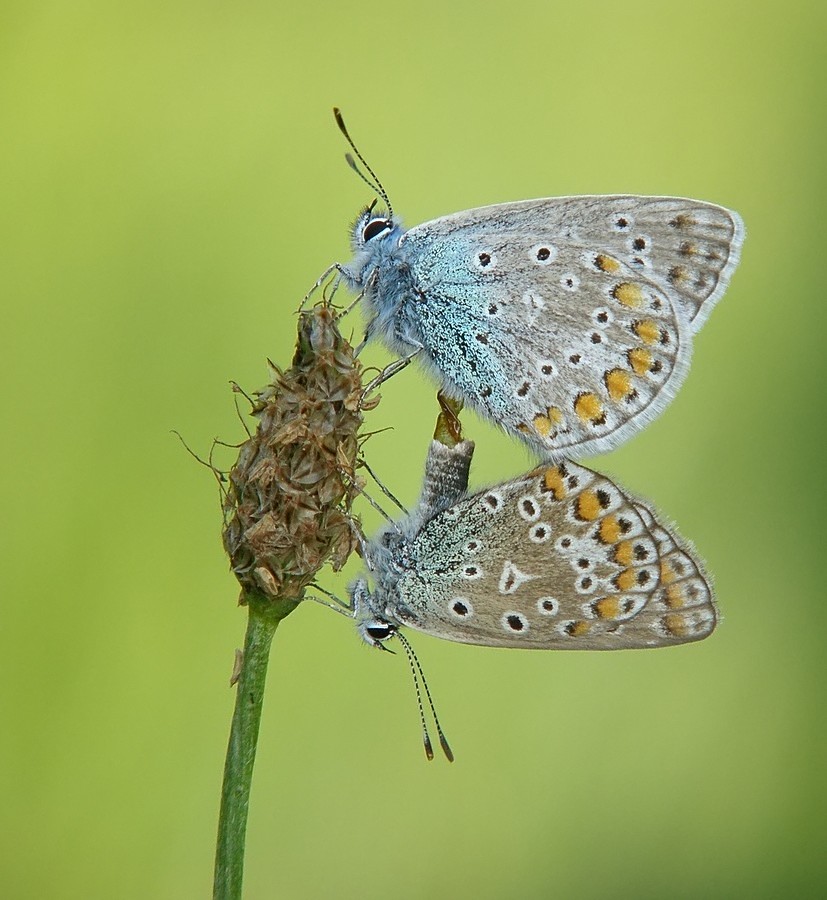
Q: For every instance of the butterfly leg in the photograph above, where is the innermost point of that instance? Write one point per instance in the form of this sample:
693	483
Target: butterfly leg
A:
382	487
369	283
388	372
340	606
378	508
336	267
354	525
329	291
356	528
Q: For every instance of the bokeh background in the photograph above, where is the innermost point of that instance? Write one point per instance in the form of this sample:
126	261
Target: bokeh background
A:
173	183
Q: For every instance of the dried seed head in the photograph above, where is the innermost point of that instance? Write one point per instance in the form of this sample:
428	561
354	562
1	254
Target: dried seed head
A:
287	506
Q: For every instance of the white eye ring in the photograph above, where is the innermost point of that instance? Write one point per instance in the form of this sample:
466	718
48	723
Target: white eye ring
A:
457	605
548	606
529	508
374	228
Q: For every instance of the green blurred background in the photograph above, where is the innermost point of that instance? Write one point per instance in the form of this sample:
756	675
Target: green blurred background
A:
173	183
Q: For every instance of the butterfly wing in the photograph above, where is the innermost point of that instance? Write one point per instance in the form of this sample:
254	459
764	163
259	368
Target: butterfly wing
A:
560	559
687	247
569	320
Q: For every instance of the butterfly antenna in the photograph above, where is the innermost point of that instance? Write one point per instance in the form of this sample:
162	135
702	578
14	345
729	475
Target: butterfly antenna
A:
416	669
376	184
426	738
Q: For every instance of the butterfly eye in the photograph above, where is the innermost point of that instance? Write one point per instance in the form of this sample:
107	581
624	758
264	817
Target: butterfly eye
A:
379	631
375	227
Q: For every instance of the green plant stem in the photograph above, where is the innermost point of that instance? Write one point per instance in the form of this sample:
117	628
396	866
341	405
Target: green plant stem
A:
264	616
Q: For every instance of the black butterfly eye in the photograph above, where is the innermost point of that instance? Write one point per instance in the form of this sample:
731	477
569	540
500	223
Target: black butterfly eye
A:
375	227
379	631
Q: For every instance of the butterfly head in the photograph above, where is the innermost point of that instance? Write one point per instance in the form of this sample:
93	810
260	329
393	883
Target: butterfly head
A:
372	229
373	629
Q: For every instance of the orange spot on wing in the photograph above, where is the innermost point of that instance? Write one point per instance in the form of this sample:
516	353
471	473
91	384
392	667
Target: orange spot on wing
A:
542	424
625	581
607	607
676	625
640	360
619	384
674	596
667	573
624	553
588	408
647	331
606	263
628	294
587	506
553	481
609	531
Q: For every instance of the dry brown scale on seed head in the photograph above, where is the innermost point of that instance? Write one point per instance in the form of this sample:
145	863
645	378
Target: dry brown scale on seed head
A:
287	507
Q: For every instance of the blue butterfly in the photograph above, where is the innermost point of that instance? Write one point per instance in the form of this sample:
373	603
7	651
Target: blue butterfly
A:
568	321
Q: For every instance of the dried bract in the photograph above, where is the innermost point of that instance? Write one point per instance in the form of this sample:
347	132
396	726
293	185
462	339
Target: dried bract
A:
287	507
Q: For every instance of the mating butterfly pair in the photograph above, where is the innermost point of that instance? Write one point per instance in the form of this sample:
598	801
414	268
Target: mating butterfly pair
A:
569	323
